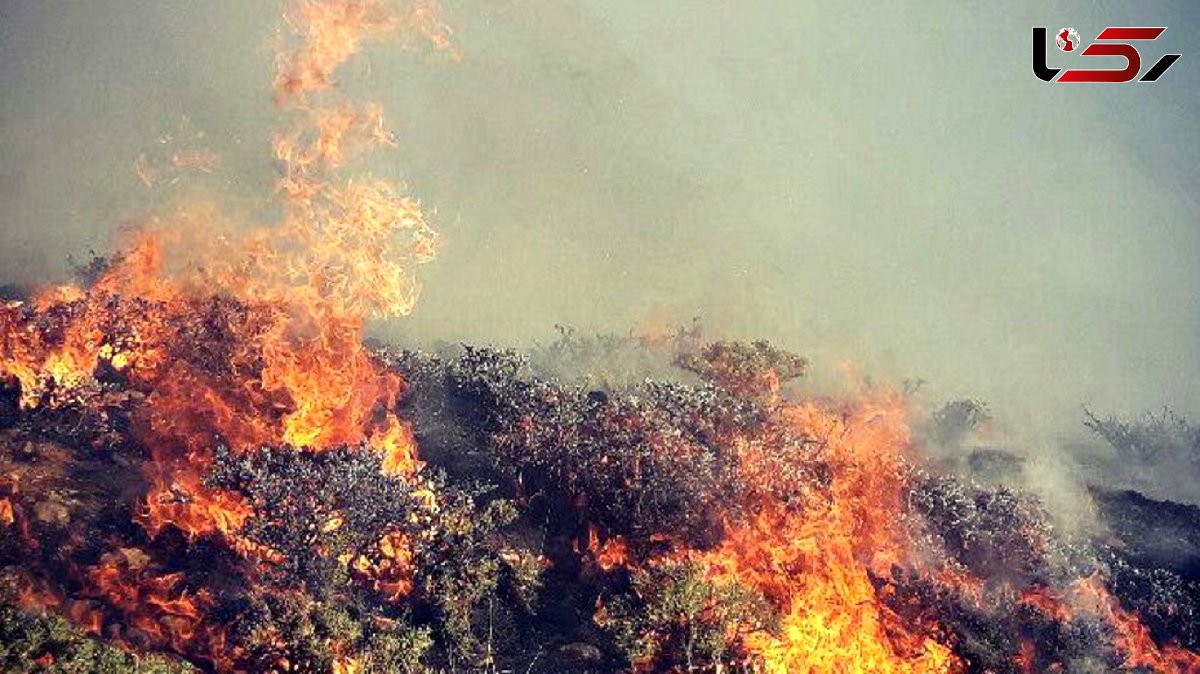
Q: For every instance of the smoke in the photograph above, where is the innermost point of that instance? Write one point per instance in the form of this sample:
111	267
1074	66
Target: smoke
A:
887	186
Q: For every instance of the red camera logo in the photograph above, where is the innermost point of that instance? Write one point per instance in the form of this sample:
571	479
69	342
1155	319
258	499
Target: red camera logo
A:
1112	41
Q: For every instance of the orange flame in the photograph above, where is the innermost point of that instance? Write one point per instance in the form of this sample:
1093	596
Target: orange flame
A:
246	336
611	554
1131	638
816	564
254	336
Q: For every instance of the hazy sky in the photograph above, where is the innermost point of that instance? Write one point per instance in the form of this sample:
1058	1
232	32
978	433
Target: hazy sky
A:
883	184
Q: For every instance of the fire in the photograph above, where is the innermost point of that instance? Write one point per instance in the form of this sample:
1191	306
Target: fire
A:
126	599
238	337
6	513
610	554
817	563
333	32
834	618
156	609
1089	597
299	373
247	336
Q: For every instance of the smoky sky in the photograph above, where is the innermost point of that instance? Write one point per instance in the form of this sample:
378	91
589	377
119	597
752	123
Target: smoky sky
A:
885	184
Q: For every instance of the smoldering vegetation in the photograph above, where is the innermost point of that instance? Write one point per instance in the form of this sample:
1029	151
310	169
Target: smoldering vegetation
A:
535	538
198	476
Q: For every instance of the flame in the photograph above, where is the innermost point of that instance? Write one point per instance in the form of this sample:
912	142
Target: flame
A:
395	441
126	599
156	609
1131	638
248	336
611	554
332	32
817	563
245	336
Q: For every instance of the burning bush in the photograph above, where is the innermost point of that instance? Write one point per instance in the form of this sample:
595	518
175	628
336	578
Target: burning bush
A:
675	618
43	642
660	525
652	459
355	553
201	457
748	370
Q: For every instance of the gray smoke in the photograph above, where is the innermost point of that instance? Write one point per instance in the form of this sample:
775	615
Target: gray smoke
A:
879	184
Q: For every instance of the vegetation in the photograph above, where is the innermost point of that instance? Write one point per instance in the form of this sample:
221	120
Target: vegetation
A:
40	642
545	532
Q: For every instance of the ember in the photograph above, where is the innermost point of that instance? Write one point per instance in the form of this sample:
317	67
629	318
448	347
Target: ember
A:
202	461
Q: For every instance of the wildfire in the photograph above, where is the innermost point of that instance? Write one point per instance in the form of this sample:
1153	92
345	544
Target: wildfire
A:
816	563
247	336
1089	597
612	553
236	340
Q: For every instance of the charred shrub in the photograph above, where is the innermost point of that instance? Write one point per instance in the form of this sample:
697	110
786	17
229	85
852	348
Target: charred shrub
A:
39	642
608	360
675	619
1167	604
650	458
1156	454
996	533
1161	437
1152	533
1152	553
752	371
1003	635
350	549
950	425
94	268
990	640
450	427
314	507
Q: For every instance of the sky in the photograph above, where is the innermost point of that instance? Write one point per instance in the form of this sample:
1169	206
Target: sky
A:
883	184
